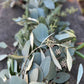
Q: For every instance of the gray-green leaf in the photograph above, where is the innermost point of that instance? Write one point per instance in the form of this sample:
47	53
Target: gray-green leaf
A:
69	60
42	55
1	81
61	77
62	36
41	32
16	80
33	75
37	58
32	40
56	62
80	73
25	50
30	64
45	65
33	13
2	57
49	4
3	45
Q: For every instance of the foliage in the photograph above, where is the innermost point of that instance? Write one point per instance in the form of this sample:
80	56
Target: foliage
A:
80	73
45	45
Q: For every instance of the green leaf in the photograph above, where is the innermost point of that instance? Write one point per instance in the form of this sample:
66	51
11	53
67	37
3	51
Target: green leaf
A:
37	58
56	62
45	65
2	57
41	32
61	77
16	80
1	81
40	75
42	55
25	50
15	66
37	43
41	12
30	64
32	40
80	73
34	3
11	62
33	75
17	19
67	35
69	60
33	13
15	44
3	45
26	78
52	72
48	68
71	33
62	36
37	83
20	21
72	51
49	4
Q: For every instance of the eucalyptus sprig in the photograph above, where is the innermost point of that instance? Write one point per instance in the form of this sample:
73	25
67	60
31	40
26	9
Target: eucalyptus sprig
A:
44	46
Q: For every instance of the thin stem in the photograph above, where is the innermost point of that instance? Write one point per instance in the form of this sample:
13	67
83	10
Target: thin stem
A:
26	13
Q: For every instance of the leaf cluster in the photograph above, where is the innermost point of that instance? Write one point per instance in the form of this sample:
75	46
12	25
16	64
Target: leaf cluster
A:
45	46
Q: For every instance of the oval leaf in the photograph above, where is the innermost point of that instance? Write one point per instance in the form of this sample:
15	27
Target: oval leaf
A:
37	58
61	77
16	80
40	75
41	32
45	65
3	45
49	4
2	57
80	73
33	75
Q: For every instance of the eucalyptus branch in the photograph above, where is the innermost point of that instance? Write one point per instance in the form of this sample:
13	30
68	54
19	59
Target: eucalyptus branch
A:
30	55
38	48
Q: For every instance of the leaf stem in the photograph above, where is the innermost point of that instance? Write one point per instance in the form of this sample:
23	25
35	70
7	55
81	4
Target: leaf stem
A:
26	13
